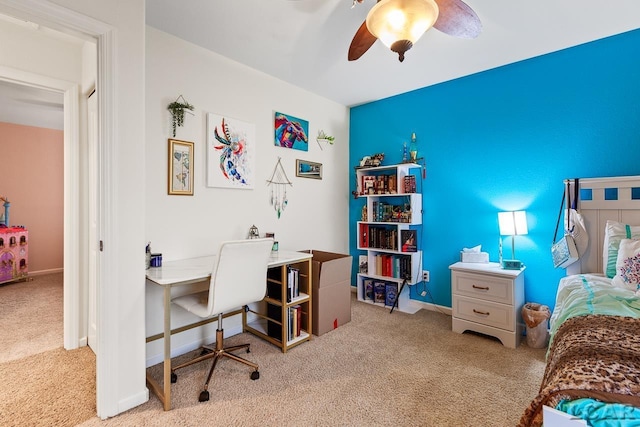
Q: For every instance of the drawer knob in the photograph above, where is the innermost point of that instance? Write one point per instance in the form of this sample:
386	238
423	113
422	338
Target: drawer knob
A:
482	288
484	313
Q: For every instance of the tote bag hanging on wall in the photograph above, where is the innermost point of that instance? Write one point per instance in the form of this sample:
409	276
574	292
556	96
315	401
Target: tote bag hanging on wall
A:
564	251
574	221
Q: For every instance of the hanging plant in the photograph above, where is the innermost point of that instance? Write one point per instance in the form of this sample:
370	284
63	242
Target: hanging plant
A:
177	110
323	137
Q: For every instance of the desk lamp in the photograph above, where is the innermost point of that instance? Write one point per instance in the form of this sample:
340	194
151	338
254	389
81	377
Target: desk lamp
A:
512	224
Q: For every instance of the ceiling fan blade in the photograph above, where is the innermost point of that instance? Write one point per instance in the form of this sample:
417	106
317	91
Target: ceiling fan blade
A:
361	42
457	19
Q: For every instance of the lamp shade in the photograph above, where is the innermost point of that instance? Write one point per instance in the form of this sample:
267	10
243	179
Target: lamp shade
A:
512	223
400	23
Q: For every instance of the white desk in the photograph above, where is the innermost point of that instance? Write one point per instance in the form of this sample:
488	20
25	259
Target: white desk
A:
186	272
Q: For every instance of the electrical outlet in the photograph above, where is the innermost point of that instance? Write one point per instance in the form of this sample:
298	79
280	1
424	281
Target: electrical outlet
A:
425	275
423	293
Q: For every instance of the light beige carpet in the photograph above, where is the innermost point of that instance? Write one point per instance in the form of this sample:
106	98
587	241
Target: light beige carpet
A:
379	369
42	384
54	388
31	316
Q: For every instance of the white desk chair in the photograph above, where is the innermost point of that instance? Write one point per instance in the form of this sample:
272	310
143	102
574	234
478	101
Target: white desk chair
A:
239	278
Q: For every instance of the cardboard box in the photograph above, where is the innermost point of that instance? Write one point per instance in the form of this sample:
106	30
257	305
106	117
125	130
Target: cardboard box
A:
331	291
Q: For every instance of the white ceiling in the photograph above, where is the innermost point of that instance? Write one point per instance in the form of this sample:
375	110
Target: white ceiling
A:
27	105
30	106
305	42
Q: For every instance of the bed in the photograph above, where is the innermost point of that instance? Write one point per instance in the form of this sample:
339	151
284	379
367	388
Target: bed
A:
592	374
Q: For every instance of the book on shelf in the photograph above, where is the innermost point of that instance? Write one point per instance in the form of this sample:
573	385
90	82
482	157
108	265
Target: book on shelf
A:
364	235
379	291
363	264
367	292
378	265
293	286
368	184
405	267
388	265
392	185
409	184
381	237
391	293
294	322
409	240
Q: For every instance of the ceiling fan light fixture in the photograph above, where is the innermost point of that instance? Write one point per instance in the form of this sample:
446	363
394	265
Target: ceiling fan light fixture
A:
400	23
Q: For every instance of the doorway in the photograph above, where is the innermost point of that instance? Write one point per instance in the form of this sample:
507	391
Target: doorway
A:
75	317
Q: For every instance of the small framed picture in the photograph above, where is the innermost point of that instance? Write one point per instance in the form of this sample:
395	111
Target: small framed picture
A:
180	167
306	169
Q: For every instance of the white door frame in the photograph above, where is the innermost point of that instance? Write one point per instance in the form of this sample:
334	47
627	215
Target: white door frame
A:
72	232
57	17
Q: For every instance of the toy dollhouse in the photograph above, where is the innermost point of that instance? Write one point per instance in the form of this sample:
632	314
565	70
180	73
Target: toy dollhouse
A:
14	249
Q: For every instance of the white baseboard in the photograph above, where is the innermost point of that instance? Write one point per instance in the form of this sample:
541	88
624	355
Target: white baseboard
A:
133	401
432	307
42	272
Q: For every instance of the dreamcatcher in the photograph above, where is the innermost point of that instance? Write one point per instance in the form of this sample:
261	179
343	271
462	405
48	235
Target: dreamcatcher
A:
278	183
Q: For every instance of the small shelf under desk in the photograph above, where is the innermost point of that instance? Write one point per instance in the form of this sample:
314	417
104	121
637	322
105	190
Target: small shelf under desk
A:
284	316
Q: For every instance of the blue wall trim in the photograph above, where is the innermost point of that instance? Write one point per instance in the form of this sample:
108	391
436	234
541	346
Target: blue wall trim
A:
504	139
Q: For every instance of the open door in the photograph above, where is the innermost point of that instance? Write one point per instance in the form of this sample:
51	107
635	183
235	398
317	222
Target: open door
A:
94	244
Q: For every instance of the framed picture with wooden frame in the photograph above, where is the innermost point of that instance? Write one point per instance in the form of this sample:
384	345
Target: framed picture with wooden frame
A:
180	167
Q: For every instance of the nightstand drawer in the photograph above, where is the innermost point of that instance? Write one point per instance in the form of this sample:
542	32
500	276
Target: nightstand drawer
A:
484	287
484	312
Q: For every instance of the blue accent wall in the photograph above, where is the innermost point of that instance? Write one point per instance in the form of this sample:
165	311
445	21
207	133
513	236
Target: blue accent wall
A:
504	139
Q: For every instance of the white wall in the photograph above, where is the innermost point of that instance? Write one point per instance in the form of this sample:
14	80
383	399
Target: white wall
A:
30	49
185	226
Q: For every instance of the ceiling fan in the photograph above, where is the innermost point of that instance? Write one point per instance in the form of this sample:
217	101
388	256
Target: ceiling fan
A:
390	21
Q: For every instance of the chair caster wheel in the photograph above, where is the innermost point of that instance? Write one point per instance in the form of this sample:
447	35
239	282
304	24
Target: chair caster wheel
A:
255	375
204	396
174	378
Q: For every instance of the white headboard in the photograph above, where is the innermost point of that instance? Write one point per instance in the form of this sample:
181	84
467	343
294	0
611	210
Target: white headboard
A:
602	199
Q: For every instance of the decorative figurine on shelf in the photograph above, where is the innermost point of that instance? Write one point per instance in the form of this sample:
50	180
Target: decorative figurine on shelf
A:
4	219
404	153
253	232
413	148
372	161
364	214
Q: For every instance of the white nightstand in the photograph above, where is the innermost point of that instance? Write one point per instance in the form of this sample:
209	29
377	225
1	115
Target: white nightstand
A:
487	299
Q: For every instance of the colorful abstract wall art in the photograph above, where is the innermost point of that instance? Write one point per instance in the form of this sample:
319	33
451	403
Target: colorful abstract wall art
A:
291	132
231	152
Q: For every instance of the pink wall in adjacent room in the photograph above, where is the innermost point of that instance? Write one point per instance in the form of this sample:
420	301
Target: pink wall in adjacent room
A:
31	177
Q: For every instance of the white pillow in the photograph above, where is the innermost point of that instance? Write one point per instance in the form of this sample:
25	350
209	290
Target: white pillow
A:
614	233
628	265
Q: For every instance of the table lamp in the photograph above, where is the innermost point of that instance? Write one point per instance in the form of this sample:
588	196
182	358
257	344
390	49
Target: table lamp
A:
512	224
